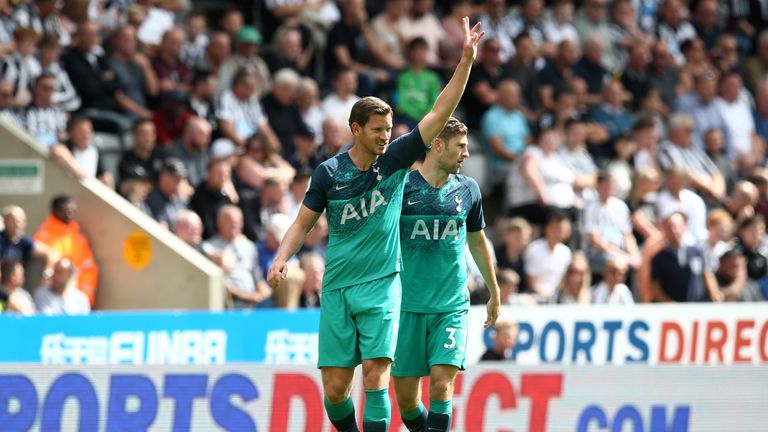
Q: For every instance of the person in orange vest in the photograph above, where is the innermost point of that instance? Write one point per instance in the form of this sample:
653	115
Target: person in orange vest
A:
62	233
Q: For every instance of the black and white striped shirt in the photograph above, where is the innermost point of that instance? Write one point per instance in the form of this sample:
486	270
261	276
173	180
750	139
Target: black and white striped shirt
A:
27	16
44	123
19	71
65	96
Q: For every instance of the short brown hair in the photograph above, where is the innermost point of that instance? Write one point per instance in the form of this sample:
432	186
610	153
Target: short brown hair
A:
363	109
453	128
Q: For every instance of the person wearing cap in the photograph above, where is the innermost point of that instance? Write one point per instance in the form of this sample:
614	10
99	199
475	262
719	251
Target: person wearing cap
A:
241	114
246	55
305	156
165	201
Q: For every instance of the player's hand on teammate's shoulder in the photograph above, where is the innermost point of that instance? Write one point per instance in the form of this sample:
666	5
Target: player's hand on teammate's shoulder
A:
493	308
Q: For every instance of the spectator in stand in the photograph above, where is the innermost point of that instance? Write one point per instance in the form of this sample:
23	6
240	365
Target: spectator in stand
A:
42	16
144	156
516	236
732	279
156	23
498	25
193	148
42	118
611	113
574	287
281	109
714	147
756	66
557	71
213	193
21	66
103	99
216	53
237	256
760	112
751	242
80	154
608	228
559	26
232	21
504	341
483	81
642	204
307	98
663	74
696	59
505	130
338	104
676	197
7	110
422	22
680	151
522	68
540	181
271	200
547	258
12	282
134	71
288	52
706	21
645	134
625	34
726	54
49	52
530	19
166	200
679	272
259	163
313	265
703	109
61	233
246	56
454	28
240	113
576	157
16	245
195	38
335	136
387	26
673	28
620	166
736	112
591	19
266	249
171	116
172	72
62	297
740	204
612	290
305	156
417	86
189	228
590	69
297	190
202	97
720	239
759	177
635	77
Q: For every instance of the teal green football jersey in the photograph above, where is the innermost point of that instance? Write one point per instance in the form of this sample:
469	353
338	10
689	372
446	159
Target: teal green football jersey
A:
363	210
433	226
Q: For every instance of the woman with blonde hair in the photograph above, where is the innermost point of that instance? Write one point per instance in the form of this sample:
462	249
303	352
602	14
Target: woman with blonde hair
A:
575	286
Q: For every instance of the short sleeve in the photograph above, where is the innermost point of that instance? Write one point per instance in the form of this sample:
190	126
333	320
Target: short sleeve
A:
475	218
406	149
316	198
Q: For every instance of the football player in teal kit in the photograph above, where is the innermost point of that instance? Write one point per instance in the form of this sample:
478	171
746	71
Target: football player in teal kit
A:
442	214
361	191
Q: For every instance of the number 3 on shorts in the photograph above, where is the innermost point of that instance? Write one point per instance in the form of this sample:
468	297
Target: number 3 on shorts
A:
451	338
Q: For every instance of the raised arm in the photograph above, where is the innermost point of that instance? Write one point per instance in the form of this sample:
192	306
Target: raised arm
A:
291	244
481	252
446	103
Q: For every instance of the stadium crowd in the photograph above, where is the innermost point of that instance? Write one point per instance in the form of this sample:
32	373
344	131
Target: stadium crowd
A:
623	141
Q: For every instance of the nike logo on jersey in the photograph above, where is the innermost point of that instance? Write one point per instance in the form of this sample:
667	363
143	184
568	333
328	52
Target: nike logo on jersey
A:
413	202
340	187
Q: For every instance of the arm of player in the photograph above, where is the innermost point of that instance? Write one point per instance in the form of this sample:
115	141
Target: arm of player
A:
481	252
449	98
291	244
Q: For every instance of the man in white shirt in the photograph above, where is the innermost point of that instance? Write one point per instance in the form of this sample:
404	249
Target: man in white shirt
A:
338	104
735	109
677	198
62	297
547	258
612	290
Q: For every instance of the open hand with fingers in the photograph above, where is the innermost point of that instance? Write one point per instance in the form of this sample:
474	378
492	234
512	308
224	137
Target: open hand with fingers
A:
471	39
